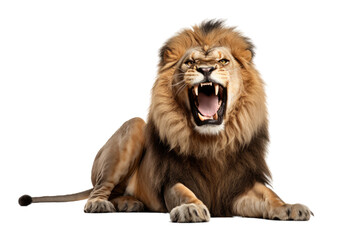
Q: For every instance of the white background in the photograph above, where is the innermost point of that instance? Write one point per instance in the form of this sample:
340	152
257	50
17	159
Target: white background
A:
72	72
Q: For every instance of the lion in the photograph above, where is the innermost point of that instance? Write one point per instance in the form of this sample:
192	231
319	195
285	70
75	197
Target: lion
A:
201	152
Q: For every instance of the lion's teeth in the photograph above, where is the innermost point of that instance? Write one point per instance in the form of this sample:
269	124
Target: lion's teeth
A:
216	89
206	84
215	116
201	117
196	90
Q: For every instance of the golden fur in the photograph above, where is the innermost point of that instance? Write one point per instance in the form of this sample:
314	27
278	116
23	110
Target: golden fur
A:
242	121
188	166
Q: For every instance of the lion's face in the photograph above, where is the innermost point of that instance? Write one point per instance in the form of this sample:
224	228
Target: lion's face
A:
208	97
206	81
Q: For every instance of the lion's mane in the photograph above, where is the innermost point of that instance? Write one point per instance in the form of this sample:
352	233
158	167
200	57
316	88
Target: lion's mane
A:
247	118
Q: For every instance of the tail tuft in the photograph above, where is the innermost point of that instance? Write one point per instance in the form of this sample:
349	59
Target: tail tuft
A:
25	200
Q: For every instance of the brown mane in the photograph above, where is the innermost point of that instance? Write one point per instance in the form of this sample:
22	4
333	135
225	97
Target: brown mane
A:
242	122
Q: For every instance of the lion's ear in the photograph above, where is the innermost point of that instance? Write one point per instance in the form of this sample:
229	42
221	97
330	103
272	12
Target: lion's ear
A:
167	56
247	55
243	56
164	52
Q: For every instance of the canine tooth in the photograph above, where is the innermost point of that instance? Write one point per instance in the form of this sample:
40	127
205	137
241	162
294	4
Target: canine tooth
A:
215	116
196	90
216	89
201	117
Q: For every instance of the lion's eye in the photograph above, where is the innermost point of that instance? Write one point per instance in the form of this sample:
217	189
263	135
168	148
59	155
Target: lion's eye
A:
189	62
224	61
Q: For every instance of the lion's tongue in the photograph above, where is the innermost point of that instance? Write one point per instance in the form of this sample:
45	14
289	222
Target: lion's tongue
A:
208	105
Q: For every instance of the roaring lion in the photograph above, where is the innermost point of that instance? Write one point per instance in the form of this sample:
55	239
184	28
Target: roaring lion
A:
202	150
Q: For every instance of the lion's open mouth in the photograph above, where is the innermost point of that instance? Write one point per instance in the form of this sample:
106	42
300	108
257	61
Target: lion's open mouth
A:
208	103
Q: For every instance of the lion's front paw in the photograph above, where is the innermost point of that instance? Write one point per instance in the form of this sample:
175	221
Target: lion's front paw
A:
297	212
190	213
99	206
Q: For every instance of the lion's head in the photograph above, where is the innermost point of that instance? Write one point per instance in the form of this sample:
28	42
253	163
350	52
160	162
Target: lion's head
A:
208	96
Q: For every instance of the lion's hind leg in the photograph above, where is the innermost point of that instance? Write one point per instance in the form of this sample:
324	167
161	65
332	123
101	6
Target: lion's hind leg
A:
114	164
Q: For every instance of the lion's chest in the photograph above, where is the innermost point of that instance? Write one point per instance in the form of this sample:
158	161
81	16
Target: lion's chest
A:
216	183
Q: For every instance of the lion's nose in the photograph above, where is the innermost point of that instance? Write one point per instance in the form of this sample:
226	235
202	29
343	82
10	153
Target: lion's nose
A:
206	71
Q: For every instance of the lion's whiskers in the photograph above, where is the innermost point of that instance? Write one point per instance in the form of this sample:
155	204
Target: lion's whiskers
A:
178	74
176	84
181	88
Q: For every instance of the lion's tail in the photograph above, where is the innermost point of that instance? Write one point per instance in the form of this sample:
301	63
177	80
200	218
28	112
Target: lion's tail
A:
26	200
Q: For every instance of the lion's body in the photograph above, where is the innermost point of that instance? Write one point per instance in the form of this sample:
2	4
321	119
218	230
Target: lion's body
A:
202	150
216	181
